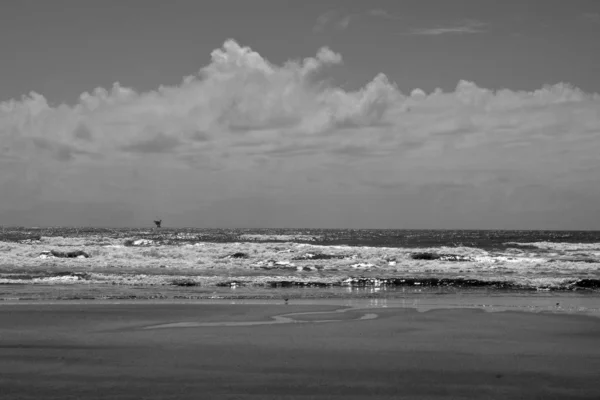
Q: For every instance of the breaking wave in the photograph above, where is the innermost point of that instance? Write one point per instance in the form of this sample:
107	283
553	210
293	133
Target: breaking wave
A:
494	260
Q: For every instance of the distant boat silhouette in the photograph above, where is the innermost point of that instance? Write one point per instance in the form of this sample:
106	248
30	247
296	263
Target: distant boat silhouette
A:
158	222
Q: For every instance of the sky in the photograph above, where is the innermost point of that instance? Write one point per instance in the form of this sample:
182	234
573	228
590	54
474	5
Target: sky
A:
399	114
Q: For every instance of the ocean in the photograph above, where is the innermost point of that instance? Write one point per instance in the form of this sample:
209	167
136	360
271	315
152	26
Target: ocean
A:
297	258
410	238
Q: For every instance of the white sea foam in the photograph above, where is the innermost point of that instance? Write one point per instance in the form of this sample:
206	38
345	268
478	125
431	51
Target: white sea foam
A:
545	265
561	246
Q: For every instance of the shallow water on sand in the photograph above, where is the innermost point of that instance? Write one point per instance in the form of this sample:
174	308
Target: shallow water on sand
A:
101	350
423	300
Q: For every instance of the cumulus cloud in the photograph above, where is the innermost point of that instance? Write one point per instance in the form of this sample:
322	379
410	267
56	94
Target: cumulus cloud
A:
82	132
159	143
240	97
239	91
255	124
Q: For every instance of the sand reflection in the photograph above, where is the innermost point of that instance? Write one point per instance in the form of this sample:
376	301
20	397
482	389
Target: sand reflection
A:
289	318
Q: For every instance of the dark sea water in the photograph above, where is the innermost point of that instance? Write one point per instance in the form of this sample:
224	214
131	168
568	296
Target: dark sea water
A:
409	238
484	239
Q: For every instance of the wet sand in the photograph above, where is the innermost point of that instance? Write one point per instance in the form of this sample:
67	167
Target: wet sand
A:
309	351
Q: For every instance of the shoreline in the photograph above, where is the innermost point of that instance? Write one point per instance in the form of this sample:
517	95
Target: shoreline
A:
572	303
184	266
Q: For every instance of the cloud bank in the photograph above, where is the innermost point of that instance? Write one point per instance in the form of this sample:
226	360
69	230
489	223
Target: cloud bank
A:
249	142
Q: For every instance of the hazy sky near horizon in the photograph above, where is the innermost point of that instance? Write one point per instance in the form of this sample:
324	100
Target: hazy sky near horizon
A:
269	113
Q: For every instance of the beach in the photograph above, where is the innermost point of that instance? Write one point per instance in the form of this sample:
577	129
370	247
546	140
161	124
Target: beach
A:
319	200
161	350
241	314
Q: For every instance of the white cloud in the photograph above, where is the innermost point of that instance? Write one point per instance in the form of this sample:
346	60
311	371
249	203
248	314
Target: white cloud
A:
381	13
337	19
344	22
468	27
244	124
341	20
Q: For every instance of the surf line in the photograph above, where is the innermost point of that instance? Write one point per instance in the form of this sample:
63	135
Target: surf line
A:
276	319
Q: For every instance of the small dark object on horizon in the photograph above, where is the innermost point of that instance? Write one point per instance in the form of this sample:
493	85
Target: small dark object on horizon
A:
158	222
